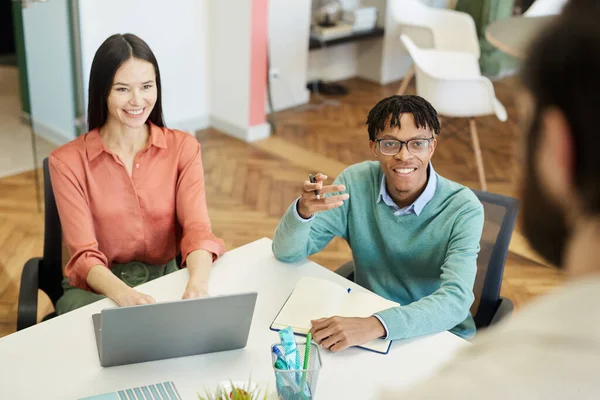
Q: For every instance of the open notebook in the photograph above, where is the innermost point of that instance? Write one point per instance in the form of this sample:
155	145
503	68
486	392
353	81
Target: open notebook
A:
318	298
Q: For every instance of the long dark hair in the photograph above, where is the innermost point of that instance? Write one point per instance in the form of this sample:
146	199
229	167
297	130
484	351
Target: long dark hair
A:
109	57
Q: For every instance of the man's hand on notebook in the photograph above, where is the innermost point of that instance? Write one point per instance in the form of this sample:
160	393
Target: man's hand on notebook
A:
339	333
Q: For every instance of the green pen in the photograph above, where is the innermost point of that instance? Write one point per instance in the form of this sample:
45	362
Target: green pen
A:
306	357
307	350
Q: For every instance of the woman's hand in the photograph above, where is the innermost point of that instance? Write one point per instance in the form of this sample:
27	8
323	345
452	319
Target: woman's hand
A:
199	265
103	281
131	297
195	290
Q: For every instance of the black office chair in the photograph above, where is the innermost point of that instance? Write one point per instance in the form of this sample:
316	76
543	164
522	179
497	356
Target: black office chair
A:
500	217
43	273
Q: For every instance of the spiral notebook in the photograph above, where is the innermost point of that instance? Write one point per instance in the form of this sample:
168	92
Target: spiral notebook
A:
314	298
158	391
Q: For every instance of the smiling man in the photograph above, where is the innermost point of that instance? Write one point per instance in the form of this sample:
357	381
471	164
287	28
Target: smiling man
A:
414	234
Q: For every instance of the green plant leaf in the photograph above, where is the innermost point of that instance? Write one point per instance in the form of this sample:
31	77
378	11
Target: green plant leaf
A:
237	393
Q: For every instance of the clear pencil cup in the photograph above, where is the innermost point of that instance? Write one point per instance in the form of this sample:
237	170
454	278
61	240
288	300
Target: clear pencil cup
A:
298	384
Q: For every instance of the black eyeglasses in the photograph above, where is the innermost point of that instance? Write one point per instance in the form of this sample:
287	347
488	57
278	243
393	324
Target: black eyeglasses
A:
391	147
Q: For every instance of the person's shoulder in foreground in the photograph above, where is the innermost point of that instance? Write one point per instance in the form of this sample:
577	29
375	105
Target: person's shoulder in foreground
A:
551	349
548	351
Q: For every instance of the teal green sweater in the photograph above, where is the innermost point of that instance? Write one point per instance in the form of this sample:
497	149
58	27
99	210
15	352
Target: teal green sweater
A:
426	263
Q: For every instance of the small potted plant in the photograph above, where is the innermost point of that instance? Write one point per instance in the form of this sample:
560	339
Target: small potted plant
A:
236	391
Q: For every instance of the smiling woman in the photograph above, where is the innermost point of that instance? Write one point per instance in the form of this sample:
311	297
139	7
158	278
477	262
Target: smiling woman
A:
125	72
130	192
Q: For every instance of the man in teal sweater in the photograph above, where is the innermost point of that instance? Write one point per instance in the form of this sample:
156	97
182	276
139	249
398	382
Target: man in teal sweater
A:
414	234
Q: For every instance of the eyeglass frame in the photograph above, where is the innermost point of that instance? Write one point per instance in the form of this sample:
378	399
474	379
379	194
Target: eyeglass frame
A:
402	143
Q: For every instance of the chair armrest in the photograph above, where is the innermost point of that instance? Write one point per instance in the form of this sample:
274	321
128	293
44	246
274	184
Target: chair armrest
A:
505	309
346	270
28	294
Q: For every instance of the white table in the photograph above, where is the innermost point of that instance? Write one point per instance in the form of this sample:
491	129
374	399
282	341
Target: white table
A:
514	35
58	359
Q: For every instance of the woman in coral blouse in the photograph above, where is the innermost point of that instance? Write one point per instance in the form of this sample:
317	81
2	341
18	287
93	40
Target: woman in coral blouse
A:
130	192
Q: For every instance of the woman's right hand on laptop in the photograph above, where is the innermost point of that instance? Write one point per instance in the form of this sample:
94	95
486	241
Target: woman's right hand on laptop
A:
131	297
105	282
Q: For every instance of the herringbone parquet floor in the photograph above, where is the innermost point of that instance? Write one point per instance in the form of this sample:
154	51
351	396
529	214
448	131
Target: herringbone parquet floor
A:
249	186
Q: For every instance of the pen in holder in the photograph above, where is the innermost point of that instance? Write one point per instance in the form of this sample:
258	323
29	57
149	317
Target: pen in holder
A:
297	384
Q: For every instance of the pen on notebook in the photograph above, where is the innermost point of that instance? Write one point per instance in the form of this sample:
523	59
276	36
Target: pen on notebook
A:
314	180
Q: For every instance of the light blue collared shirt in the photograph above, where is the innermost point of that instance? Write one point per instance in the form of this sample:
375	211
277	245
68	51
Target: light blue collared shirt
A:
414	208
419	203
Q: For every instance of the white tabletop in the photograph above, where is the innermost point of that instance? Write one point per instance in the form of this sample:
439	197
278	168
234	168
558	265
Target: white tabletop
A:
58	359
514	35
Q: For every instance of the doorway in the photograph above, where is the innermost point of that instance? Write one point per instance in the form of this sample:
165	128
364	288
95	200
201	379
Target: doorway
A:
16	140
8	54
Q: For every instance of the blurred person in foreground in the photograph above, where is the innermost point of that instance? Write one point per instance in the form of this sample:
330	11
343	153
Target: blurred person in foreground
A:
551	349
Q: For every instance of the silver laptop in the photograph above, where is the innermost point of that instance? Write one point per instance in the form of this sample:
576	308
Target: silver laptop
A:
127	335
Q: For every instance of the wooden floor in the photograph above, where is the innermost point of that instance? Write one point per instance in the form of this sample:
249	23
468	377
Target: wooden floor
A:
250	186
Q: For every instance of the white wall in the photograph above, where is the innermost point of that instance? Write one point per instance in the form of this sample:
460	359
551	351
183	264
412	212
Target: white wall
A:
289	29
178	33
229	56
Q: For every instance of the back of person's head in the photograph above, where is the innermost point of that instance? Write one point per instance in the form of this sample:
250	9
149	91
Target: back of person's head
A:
109	57
563	71
562	80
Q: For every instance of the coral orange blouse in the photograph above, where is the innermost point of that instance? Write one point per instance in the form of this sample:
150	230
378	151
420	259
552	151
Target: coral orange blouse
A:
110	217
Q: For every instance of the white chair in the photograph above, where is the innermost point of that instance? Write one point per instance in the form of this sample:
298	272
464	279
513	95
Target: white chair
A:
429	27
541	8
452	83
